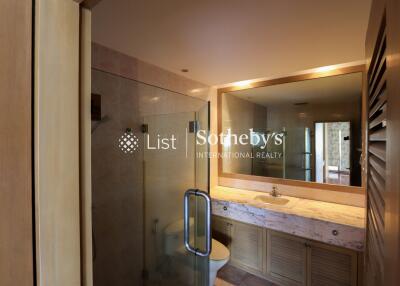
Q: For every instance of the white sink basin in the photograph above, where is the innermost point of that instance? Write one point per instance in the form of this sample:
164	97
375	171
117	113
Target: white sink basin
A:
271	200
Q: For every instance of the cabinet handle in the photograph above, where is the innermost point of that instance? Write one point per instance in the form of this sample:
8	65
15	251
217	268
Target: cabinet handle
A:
225	208
335	232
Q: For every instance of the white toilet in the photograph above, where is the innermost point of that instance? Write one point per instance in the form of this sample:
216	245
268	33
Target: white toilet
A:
218	258
174	244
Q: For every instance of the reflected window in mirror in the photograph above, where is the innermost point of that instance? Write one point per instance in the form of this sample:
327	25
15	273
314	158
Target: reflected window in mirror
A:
306	130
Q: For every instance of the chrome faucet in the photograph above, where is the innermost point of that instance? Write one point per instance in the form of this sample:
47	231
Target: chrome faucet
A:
274	192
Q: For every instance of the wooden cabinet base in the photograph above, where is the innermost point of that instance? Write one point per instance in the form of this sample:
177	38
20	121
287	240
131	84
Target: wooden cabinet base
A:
285	259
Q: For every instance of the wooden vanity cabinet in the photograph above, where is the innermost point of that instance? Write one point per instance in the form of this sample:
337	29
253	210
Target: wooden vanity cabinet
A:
221	230
244	242
286	259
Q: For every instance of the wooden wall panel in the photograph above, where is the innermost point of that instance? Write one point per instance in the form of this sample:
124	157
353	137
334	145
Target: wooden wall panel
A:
56	94
16	236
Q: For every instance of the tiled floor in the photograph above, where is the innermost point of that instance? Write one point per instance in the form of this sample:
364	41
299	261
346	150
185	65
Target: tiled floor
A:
232	276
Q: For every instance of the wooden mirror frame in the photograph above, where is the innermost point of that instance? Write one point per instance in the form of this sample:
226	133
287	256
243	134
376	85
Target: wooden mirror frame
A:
318	73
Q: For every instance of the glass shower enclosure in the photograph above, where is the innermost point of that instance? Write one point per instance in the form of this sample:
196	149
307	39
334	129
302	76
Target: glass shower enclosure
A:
144	160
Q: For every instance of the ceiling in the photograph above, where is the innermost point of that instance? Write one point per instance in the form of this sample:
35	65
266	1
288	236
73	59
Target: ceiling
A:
343	88
223	41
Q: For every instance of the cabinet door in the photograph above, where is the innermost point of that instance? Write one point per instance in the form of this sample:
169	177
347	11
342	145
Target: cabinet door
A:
331	266
246	247
286	259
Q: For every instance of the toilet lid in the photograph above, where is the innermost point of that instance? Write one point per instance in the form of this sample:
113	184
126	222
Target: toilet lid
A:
219	251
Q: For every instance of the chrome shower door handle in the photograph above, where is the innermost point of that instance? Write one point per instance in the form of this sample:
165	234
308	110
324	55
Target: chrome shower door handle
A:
186	218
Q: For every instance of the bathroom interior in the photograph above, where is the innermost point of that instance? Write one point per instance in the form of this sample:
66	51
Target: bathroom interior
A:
279	199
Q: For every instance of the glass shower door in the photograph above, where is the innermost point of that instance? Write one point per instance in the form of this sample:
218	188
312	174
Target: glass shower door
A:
171	168
143	162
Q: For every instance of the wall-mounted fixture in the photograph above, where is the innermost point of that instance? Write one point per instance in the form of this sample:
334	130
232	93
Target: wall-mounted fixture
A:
95	108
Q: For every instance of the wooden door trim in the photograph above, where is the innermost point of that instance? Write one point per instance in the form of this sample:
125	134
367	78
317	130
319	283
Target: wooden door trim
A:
16	177
56	142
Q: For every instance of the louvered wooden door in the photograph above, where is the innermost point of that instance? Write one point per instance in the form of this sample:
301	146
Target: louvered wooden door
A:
286	259
247	241
377	121
383	188
377	106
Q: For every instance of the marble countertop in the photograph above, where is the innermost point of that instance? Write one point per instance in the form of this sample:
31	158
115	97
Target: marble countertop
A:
330	223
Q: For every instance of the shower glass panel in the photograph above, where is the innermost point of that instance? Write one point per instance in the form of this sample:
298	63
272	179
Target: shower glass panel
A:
143	161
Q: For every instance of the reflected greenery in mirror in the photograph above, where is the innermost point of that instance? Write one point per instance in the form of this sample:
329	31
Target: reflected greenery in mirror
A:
305	130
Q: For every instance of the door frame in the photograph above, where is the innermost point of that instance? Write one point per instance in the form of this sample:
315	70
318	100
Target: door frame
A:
86	258
86	230
351	142
63	240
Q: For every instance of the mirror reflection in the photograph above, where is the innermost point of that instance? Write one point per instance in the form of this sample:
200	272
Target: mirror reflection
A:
306	130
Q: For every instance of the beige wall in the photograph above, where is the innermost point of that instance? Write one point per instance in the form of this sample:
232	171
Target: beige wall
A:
16	234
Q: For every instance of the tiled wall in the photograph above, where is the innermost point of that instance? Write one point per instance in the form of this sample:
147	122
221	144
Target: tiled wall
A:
106	59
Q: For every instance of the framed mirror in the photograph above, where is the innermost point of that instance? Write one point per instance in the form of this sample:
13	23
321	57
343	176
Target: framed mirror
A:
305	130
